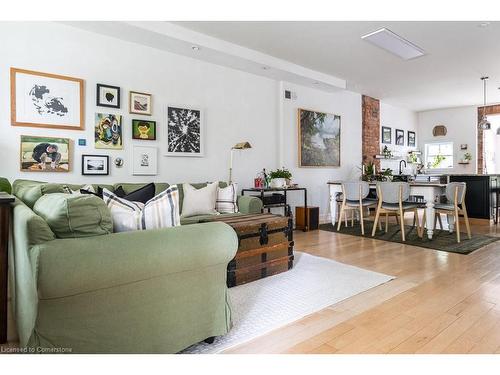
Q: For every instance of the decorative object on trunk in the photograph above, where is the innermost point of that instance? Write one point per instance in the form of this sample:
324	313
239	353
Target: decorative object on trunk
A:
185	132
46	100
107	96
108	131
45	154
439	130
319	139
140	103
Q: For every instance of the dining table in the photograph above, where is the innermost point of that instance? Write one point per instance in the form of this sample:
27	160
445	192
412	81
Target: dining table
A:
430	192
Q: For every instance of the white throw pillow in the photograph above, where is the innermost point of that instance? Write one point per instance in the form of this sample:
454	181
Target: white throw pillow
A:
227	197
161	211
199	201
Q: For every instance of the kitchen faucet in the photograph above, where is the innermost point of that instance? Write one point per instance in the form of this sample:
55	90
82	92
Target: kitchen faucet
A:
400	169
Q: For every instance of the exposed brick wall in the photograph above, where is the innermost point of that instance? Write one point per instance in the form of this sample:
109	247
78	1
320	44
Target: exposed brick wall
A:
489	110
370	129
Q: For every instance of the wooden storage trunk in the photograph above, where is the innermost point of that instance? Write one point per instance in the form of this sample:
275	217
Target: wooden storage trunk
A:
265	247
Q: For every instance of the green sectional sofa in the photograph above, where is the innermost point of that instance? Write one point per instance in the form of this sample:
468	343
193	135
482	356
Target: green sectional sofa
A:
155	291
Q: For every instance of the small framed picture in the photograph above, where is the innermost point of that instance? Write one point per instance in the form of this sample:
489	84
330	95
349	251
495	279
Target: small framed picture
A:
108	131
95	165
108	96
411	139
400	137
140	103
45	154
145	160
144	129
386	135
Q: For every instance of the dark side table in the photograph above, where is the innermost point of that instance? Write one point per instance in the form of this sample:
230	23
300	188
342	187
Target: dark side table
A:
284	204
6	201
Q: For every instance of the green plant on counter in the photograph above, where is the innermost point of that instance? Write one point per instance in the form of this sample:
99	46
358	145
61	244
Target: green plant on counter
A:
5	185
281	173
437	160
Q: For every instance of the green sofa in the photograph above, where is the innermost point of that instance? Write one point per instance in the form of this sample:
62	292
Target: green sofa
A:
155	291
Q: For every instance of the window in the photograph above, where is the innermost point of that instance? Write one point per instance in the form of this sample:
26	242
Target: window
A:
439	155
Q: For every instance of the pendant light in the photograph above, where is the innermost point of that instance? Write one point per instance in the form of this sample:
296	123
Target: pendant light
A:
484	124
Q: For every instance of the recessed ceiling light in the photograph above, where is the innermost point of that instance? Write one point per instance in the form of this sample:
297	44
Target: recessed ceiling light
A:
392	42
195	48
265	67
484	24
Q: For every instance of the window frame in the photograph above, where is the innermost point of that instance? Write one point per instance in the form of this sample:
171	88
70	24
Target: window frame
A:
426	154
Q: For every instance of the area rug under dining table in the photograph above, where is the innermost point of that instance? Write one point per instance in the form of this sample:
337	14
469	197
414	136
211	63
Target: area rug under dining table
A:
442	240
313	284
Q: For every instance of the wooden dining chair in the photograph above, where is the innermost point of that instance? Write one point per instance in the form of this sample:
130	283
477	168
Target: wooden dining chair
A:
393	200
455	194
355	198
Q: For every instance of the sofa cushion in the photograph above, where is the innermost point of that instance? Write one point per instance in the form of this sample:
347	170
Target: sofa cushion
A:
227	197
198	185
161	211
142	194
130	187
199	201
74	216
30	191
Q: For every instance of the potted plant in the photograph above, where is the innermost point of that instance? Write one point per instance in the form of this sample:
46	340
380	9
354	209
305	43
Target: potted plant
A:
5	185
280	178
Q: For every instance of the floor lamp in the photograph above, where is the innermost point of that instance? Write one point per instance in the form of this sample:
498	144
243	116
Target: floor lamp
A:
237	146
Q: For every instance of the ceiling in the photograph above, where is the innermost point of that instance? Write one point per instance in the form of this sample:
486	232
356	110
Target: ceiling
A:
457	55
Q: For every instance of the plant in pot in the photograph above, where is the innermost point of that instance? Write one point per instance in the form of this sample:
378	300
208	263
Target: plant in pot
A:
5	185
280	178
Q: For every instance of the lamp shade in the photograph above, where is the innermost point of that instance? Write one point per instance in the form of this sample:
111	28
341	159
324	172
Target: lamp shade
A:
242	146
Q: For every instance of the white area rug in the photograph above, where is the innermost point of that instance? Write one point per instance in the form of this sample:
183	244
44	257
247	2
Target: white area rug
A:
267	304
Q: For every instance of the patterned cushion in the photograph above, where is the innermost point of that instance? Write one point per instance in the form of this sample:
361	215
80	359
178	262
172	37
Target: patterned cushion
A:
161	211
226	199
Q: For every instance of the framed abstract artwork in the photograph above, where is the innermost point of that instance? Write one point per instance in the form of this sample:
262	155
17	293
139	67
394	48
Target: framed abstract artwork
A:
319	139
44	154
411	139
144	129
107	96
145	160
108	131
185	132
400	137
386	135
140	103
46	100
95	165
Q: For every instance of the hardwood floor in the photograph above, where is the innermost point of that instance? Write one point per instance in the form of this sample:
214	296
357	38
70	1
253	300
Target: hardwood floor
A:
439	303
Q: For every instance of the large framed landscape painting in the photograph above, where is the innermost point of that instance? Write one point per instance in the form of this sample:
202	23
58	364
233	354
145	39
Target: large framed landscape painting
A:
45	154
319	139
185	132
46	100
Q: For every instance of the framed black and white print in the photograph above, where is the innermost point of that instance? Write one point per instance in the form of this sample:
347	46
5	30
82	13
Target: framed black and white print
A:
411	139
107	96
400	137
95	165
386	135
46	100
185	132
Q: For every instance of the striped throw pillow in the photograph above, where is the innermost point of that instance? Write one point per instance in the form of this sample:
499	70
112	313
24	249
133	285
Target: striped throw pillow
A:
226	199
161	211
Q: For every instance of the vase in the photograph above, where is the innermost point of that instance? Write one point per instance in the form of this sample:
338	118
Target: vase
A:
277	183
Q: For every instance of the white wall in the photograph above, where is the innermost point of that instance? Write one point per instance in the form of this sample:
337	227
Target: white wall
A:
461	125
397	118
238	106
344	103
